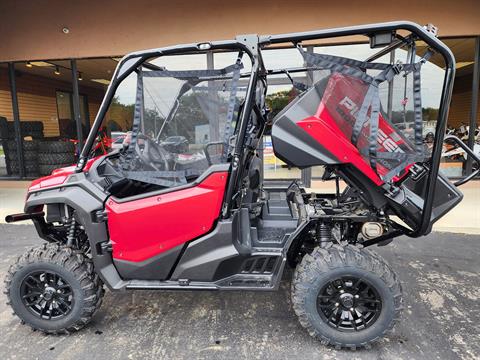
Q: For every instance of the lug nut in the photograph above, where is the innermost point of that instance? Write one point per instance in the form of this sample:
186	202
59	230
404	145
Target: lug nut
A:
59	291
351	309
342	291
41	295
357	296
337	304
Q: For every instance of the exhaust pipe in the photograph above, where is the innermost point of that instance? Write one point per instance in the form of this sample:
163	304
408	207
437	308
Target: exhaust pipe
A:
24	216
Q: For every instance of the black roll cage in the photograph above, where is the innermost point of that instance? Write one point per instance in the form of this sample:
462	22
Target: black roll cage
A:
251	45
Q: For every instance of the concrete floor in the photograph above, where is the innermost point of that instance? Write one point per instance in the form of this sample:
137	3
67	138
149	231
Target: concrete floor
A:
441	320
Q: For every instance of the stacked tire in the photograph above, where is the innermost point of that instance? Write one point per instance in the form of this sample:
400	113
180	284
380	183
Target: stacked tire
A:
3	129
30	157
55	154
31	129
3	143
27	128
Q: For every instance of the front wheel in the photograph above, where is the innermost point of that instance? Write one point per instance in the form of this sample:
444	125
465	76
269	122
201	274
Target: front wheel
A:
346	296
54	289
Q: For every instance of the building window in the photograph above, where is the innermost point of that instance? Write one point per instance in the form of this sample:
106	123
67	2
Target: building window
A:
66	123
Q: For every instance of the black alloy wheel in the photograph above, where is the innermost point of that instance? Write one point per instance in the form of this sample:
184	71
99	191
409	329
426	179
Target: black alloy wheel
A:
47	295
349	304
346	296
54	288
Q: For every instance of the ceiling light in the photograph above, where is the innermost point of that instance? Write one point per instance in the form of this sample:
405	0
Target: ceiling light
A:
57	70
40	63
80	76
102	81
28	64
204	46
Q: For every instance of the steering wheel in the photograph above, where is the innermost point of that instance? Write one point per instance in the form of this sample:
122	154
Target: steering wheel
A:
152	155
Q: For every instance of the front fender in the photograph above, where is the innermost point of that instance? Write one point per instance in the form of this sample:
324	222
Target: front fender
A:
85	204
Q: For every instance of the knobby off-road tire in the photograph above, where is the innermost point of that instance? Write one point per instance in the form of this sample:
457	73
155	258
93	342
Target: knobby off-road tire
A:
56	158
66	272
325	275
26	127
27	155
47	169
56	147
31	167
28	145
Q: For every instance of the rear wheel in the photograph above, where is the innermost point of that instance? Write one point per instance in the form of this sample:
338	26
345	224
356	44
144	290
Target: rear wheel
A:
346	296
54	289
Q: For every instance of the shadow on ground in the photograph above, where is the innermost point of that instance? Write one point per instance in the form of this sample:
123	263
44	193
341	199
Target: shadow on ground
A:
440	321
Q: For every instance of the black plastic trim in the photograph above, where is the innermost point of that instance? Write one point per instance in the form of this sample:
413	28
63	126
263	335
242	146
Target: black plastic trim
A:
154	268
85	204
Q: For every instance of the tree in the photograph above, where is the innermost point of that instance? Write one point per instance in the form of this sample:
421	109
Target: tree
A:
120	114
277	101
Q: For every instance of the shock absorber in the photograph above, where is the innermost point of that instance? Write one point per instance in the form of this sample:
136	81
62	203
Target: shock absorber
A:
324	233
71	231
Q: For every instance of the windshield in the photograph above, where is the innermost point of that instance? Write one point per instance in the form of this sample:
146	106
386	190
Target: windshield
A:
171	125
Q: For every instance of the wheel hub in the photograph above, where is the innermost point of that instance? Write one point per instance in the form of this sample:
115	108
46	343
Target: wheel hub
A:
349	303
49	293
346	300
46	294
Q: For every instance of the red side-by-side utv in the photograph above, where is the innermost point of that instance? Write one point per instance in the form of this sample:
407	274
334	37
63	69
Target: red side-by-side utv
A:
182	204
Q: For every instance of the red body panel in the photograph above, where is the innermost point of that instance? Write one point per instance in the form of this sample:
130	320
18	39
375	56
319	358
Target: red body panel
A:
333	122
328	134
58	176
47	181
143	228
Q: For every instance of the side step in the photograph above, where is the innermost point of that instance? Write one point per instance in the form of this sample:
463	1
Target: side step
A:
170	285
260	274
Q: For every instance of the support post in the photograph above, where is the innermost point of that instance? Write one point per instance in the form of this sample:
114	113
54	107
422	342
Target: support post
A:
474	106
306	174
390	89
214	133
76	103
16	118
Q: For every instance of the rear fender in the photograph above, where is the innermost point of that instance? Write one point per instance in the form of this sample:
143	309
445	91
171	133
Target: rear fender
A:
295	241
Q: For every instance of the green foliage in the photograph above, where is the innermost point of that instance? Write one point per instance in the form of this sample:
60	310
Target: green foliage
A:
277	101
429	114
120	115
188	115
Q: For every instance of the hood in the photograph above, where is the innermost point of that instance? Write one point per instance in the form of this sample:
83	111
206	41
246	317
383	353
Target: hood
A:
58	176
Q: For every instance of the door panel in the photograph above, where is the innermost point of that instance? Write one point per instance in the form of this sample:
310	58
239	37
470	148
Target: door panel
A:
143	228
